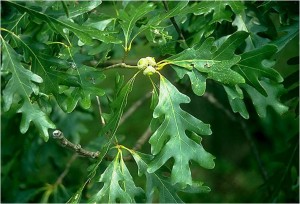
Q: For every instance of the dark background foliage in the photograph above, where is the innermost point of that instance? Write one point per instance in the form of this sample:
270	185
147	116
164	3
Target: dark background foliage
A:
257	160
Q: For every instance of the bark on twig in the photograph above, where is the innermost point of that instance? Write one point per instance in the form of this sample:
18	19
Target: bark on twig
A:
59	136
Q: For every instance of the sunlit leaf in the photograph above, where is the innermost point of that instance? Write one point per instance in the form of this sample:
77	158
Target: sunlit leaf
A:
118	184
171	134
211	64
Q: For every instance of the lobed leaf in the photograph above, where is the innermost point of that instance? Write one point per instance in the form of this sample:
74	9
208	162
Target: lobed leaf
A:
253	67
80	79
261	102
166	191
109	129
84	33
202	62
219	10
250	24
82	93
172	134
235	97
75	8
118	184
22	84
290	32
130	17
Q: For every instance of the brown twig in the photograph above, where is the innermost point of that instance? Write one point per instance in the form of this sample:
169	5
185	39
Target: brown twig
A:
59	136
173	21
120	65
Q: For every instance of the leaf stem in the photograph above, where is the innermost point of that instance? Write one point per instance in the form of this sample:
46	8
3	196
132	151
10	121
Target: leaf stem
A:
100	111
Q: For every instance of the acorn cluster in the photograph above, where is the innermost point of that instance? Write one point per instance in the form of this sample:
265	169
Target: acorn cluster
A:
147	64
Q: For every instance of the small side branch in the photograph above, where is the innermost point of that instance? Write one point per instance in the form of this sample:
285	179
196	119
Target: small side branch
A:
59	136
173	21
120	65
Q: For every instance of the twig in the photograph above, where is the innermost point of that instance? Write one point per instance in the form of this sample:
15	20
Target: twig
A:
120	65
176	25
66	171
133	108
210	97
100	111
59	136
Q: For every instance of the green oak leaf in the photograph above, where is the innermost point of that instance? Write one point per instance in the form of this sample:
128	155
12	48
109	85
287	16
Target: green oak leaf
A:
261	102
43	64
74	8
118	184
22	84
171	135
219	10
290	32
198	80
130	16
84	33
86	76
235	97
253	67
94	167
211	64
251	25
155	22
167	192
79	80
117	106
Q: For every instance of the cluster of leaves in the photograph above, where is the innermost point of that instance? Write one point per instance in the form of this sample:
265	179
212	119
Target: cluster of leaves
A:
54	57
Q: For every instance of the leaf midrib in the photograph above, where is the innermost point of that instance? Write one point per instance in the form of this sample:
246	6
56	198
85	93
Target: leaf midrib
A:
16	72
